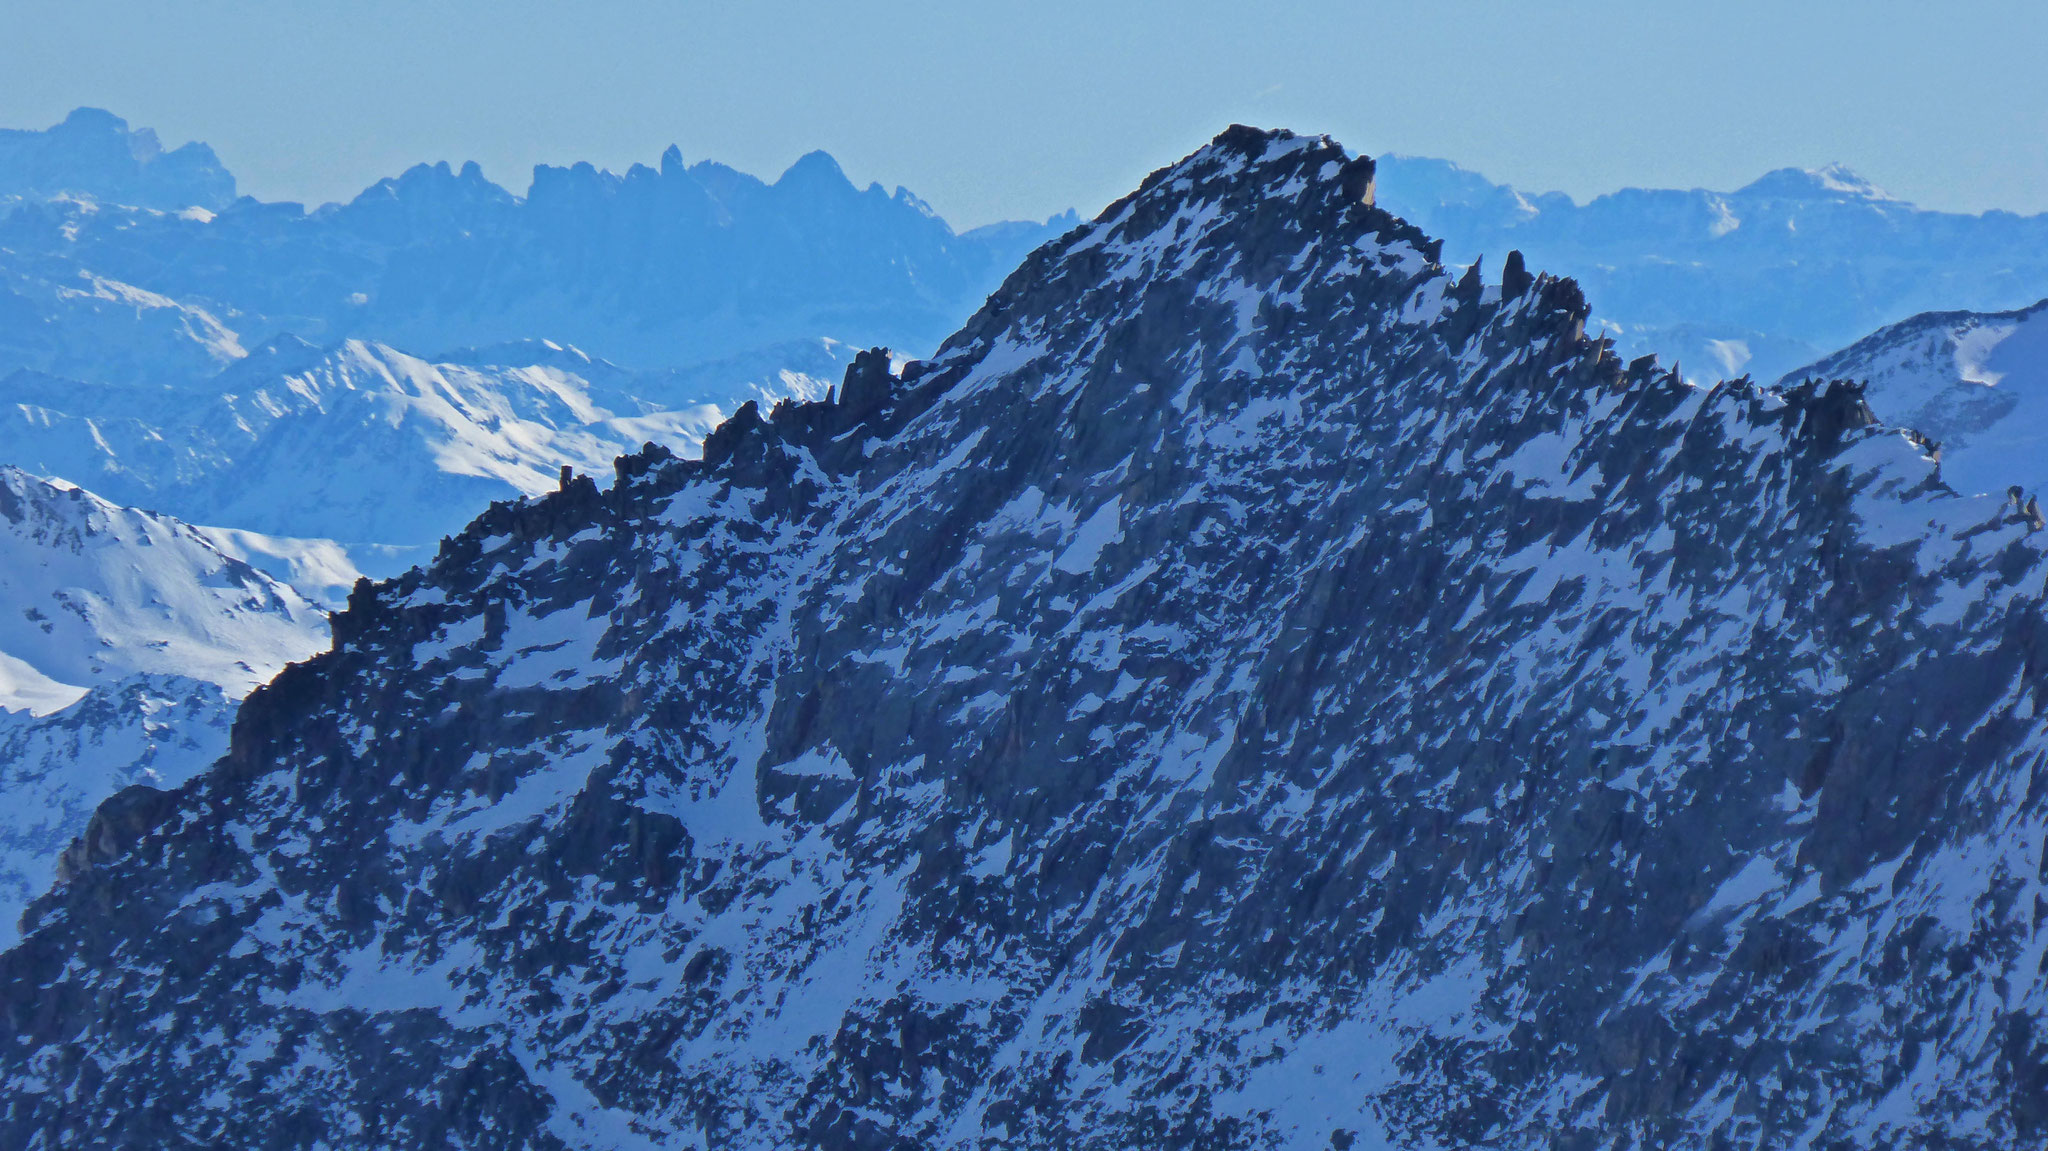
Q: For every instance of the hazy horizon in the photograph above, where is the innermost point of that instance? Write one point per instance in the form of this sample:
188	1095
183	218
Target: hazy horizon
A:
1009	112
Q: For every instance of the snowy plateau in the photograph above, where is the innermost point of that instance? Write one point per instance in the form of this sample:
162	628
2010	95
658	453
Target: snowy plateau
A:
1254	685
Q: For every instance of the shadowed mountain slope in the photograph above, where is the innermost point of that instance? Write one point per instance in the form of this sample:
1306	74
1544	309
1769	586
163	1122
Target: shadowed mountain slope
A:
1252	687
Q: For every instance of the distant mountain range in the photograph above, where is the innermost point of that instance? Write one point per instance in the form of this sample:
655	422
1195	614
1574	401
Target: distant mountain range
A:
1758	280
663	267
118	259
376	372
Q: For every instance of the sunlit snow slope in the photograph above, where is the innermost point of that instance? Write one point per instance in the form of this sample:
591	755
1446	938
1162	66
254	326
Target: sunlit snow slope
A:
125	640
365	445
1975	382
96	592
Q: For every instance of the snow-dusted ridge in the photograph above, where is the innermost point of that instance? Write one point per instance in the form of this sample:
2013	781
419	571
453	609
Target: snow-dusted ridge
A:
379	451
1976	383
126	642
1253	687
96	593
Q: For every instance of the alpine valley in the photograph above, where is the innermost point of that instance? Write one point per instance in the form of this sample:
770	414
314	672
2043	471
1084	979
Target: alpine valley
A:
1252	686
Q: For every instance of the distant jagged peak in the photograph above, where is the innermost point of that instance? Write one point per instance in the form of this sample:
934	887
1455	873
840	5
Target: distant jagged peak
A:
97	124
425	199
814	171
94	154
436	177
1830	182
913	201
580	181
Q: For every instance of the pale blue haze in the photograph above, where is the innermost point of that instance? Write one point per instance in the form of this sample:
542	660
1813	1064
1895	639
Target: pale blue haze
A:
1006	110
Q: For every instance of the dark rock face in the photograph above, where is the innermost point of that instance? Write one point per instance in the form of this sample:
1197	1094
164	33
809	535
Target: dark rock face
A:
1515	277
1246	690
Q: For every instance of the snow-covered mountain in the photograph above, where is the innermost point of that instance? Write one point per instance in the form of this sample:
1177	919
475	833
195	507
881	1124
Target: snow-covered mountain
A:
1758	280
1975	383
98	592
1255	686
126	640
383	452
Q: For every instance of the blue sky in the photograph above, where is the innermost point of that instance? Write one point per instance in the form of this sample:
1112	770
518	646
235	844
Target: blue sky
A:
997	109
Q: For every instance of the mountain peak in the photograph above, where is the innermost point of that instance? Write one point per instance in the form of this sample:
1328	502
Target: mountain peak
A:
85	121
93	153
1251	688
1829	182
1243	161
815	170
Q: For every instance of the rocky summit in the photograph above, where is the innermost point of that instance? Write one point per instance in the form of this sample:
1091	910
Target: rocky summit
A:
1253	687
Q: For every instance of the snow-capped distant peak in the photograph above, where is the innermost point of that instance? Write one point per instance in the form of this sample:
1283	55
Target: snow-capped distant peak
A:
94	592
1830	182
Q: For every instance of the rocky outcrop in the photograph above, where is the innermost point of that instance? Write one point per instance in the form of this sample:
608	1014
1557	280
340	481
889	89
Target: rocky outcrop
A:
1247	689
1974	384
